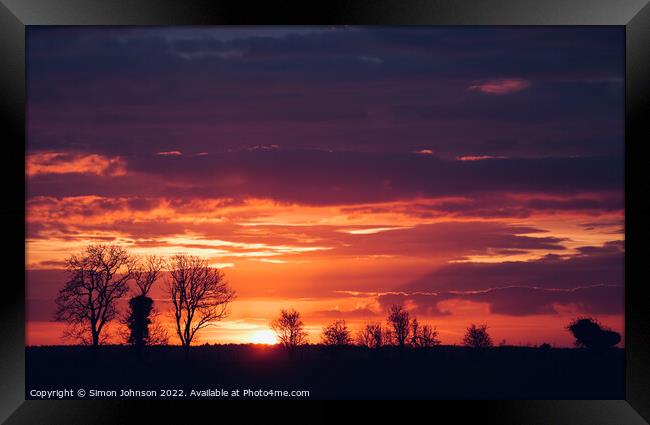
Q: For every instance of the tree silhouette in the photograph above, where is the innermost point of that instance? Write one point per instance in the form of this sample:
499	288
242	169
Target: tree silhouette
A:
428	337
589	333
477	337
423	336
388	337
199	294
337	334
97	278
415	331
290	329
138	322
371	336
158	334
141	306
147	272
398	319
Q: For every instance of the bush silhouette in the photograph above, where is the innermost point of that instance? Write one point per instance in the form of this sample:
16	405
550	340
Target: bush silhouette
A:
477	337
590	334
423	336
337	334
138	321
371	336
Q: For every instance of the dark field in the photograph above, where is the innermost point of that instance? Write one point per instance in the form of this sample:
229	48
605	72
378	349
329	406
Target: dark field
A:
353	372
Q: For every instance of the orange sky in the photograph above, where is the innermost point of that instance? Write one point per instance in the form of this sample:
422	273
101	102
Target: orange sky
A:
323	261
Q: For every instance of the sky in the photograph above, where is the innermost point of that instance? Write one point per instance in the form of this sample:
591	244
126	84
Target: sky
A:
471	174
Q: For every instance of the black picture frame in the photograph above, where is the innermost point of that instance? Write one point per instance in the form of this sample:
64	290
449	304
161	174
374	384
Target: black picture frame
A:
15	15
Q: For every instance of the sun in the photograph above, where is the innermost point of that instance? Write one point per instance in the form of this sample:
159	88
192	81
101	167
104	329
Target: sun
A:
264	336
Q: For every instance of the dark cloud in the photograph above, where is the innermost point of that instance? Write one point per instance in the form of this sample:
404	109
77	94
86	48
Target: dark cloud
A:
44	284
208	89
322	177
421	304
449	239
590	282
592	266
501	205
518	301
40	310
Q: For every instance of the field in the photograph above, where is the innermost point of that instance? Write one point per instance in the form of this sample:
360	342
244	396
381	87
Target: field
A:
445	372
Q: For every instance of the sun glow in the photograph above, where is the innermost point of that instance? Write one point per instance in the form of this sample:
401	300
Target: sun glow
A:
265	336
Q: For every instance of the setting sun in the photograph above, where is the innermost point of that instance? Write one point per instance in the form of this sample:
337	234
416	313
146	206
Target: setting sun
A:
265	336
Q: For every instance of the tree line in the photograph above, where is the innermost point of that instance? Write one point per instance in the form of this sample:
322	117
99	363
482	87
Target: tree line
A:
200	295
402	330
103	274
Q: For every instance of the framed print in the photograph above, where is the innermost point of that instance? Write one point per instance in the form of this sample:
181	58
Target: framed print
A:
218	202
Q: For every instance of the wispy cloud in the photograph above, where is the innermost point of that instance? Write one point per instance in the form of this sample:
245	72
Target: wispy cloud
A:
425	152
371	59
372	230
69	163
499	87
479	157
169	153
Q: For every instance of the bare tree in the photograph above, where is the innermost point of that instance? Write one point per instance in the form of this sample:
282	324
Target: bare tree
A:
415	332
423	336
398	319
146	273
290	329
97	278
336	333
477	337
200	295
428	337
388	337
371	336
158	334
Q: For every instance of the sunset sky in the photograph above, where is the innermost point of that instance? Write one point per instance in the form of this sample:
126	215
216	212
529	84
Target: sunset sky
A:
474	175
